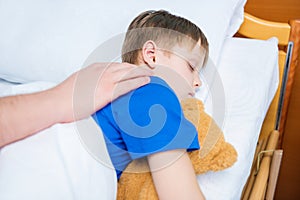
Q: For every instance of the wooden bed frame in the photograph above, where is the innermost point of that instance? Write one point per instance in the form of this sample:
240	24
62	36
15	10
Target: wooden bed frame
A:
261	183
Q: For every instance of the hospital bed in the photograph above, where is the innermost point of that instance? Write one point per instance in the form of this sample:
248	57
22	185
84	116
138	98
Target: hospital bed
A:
244	86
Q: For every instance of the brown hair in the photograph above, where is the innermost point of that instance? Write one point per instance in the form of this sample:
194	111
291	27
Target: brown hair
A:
164	29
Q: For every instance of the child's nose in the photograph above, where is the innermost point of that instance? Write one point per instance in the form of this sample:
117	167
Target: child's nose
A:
197	82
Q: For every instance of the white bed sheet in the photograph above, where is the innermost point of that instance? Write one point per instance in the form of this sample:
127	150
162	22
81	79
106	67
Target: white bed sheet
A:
249	74
54	164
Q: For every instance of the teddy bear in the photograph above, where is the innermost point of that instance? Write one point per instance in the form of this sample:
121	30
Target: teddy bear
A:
215	154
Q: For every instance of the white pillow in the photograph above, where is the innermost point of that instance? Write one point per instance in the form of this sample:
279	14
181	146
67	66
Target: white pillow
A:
48	40
248	71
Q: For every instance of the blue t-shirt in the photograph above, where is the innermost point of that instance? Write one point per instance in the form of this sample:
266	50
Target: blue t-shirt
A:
145	121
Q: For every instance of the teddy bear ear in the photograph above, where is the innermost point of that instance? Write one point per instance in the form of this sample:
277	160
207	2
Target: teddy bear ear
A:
192	104
191	110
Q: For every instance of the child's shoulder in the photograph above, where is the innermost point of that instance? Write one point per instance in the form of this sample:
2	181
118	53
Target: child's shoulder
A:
156	92
157	80
156	89
156	84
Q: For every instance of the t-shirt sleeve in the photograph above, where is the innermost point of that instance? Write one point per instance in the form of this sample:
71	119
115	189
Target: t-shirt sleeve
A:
151	120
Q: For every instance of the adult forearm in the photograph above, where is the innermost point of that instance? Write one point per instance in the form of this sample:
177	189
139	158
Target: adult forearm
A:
24	115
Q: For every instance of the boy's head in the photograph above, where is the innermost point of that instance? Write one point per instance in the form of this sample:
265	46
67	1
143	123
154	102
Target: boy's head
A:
160	38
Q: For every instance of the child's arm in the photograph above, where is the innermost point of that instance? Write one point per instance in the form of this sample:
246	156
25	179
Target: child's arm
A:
174	176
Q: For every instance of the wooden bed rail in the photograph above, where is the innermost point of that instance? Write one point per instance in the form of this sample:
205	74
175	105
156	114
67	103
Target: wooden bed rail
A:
257	28
254	27
262	185
295	38
262	176
257	186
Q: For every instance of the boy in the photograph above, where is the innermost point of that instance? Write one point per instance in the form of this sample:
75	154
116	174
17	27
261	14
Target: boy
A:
149	122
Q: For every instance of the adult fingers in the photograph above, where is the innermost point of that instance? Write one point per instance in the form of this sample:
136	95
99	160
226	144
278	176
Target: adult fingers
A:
131	73
113	67
128	85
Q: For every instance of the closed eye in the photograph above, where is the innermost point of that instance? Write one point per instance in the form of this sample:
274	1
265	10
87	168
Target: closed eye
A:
192	68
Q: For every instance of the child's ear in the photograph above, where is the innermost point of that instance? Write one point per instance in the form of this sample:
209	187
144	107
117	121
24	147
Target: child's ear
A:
149	53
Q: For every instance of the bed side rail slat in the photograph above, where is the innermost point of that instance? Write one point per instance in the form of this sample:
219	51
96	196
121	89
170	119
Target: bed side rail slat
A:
254	27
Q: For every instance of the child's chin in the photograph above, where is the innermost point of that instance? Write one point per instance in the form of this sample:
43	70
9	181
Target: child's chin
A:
187	96
191	95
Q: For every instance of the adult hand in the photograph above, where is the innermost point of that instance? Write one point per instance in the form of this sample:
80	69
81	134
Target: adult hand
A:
91	88
79	96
